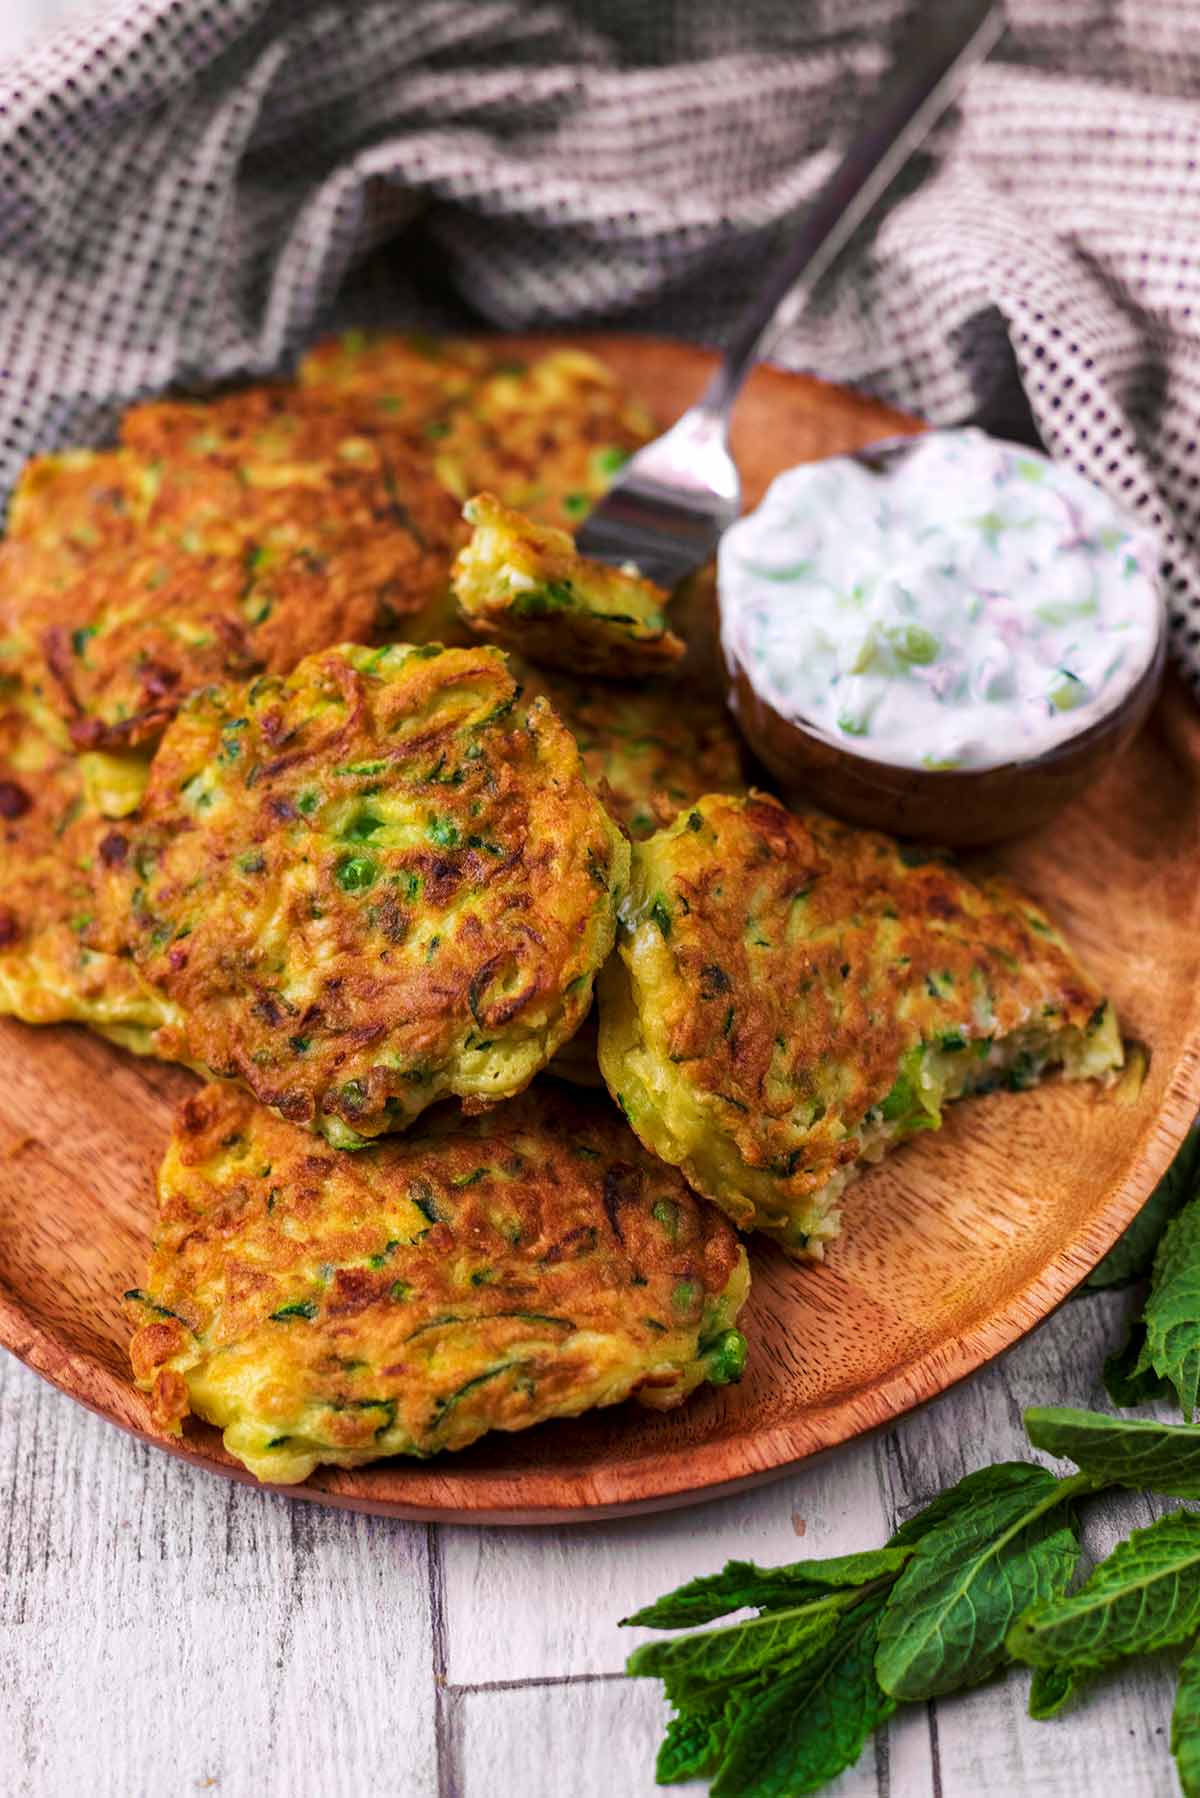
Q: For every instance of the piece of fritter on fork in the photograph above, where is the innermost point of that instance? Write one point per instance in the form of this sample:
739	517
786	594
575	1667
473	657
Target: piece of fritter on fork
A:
523	585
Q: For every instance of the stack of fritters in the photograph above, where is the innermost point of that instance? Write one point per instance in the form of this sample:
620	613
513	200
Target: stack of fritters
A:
257	819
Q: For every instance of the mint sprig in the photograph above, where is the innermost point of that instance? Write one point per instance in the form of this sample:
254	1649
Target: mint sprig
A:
780	1703
1171	1349
804	1729
1144	1597
741	1583
971	1576
1121	1451
1185	1725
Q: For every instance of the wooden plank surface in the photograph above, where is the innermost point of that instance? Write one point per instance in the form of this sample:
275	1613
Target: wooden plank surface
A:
164	1631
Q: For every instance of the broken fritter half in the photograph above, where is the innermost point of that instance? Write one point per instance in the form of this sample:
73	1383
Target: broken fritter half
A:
791	997
524	586
478	1274
375	883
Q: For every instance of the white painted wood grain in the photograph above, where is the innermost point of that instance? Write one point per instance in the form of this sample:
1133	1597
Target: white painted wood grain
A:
160	1629
166	1633
620	1566
546	1739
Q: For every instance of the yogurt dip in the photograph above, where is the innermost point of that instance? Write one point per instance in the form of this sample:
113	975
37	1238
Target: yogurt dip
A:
969	605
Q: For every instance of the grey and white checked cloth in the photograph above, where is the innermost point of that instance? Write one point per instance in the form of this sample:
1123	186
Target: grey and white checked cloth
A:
190	189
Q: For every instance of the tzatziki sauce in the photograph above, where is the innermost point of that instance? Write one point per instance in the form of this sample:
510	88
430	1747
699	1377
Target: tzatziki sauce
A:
971	604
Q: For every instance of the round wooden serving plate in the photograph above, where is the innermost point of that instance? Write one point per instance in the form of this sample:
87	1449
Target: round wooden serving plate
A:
952	1249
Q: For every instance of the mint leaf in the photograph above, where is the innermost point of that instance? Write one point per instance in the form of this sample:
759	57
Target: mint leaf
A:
742	1583
1121	1451
1132	1255
1185	1725
694	1743
948	1614
808	1725
972	1489
1144	1597
691	1667
1123	1382
1172	1315
1049	1691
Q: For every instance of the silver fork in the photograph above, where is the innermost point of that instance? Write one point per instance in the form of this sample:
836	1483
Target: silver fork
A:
672	500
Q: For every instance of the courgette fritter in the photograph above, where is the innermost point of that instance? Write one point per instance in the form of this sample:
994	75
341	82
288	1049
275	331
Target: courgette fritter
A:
374	883
546	434
229	537
648	750
477	1274
523	585
791	997
53	845
546	437
77	501
409	379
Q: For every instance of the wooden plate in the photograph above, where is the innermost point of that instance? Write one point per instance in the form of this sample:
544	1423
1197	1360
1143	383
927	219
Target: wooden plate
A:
953	1248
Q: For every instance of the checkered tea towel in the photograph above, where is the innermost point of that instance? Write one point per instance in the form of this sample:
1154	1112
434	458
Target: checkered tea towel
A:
189	189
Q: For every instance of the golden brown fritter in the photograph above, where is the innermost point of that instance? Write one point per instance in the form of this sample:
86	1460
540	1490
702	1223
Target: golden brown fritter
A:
791	996
78	501
406	378
647	750
375	883
253	529
546	437
475	1275
523	585
52	848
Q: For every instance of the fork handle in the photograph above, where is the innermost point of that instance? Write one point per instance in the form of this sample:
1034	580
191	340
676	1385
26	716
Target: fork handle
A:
948	39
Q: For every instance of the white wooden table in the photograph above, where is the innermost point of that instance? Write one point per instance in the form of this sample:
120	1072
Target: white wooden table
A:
166	1632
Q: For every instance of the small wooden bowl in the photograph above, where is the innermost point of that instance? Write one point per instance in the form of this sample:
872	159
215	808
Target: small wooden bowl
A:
955	806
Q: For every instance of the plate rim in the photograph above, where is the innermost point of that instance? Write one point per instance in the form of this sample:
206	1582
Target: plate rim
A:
906	1389
649	1483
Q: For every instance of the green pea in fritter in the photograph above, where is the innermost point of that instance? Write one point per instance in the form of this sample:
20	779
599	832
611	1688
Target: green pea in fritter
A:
477	1274
791	997
374	883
